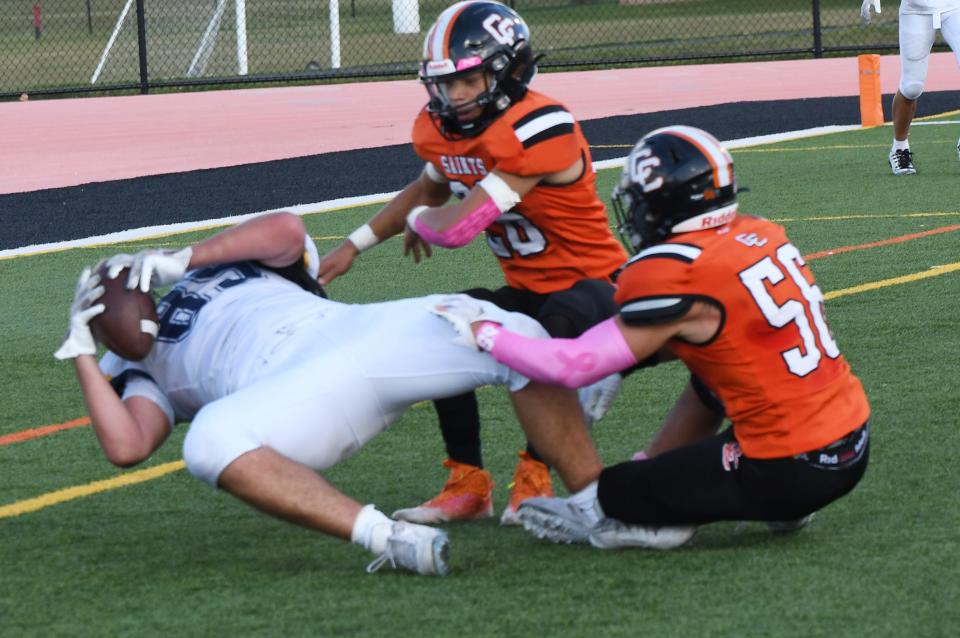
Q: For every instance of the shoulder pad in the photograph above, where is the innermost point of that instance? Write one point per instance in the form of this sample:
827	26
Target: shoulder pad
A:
686	253
543	124
653	310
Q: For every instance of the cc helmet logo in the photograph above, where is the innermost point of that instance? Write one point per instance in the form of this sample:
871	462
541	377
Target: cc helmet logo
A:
500	28
642	168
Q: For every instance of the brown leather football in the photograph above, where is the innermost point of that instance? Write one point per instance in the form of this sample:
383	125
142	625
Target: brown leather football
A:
129	324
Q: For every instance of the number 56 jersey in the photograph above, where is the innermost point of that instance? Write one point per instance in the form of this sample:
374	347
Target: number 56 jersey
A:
559	233
774	362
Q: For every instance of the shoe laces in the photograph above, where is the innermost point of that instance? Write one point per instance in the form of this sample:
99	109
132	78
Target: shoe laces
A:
465	478
903	157
381	560
531	478
401	548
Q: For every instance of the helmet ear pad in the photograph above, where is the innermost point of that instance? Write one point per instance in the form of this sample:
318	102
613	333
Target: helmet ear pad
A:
518	74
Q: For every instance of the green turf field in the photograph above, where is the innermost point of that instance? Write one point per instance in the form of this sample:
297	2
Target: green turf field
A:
169	556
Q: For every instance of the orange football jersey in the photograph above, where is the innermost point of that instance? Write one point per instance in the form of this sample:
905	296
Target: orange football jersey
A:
558	234
774	362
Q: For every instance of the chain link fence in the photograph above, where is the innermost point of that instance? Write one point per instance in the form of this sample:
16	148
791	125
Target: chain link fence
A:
77	46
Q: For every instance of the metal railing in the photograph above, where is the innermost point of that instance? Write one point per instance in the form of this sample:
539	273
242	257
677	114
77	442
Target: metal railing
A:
81	46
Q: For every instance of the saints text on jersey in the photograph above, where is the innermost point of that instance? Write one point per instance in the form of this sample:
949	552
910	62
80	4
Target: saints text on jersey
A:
462	165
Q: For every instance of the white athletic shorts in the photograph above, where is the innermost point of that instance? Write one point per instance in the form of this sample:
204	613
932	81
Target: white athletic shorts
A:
339	382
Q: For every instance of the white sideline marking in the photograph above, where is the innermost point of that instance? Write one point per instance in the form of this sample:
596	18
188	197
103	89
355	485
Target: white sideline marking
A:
759	140
165	230
151	232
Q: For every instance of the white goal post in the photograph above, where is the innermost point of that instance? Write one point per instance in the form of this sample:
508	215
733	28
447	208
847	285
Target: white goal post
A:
205	46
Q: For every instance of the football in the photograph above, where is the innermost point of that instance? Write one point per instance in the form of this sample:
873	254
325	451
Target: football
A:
129	324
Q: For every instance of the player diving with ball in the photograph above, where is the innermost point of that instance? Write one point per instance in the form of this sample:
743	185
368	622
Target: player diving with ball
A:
280	383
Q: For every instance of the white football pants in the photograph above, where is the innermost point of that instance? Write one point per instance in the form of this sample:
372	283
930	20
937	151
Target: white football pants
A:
338	383
917	34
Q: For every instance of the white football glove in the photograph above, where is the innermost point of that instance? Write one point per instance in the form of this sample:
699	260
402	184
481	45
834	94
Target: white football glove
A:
595	399
151	268
79	338
865	9
117	263
461	311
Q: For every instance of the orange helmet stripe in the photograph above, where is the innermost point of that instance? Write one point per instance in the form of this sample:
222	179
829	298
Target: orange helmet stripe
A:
719	158
439	37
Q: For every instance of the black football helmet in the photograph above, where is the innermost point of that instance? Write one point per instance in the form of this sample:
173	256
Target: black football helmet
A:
477	35
677	179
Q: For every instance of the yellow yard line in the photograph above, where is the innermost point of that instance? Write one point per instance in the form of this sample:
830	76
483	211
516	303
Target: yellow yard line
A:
833	218
805	149
79	491
935	271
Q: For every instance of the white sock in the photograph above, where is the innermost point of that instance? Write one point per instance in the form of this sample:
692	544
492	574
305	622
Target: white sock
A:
371	529
900	145
586	499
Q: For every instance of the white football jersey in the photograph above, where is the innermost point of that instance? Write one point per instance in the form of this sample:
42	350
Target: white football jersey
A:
929	6
225	327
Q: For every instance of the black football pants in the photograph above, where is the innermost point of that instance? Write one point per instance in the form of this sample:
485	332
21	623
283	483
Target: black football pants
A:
711	481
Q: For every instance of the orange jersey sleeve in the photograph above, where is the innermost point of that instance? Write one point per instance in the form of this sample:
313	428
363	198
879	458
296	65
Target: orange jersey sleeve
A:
558	234
774	362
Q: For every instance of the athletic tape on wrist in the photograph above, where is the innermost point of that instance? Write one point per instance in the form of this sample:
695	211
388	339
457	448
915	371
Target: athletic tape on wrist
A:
412	216
500	192
434	174
363	238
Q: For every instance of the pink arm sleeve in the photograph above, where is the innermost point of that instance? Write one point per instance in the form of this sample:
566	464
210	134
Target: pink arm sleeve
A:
572	363
464	230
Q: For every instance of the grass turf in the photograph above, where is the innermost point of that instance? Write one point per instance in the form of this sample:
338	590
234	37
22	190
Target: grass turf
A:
171	556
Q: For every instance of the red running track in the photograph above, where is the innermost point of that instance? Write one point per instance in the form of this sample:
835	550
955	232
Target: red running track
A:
55	143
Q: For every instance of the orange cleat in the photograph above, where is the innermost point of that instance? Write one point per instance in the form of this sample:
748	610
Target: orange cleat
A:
530	478
467	496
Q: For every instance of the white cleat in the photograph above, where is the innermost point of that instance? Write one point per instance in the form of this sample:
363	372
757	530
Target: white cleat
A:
901	162
419	548
510	518
557	519
786	527
612	534
958	148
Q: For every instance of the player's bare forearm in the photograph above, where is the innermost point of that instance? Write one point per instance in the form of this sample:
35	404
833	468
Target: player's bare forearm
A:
275	239
480	203
126	436
392	218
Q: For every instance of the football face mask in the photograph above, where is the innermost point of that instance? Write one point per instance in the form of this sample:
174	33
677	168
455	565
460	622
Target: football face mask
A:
462	97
